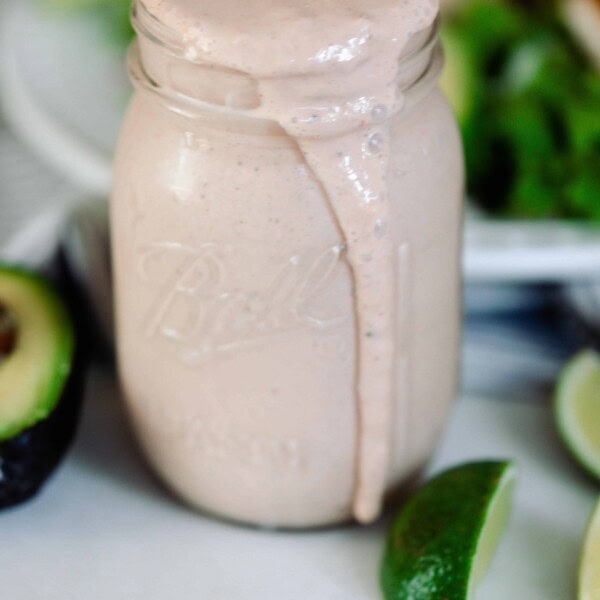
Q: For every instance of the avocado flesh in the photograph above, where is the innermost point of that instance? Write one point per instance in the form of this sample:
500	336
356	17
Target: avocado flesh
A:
40	383
34	373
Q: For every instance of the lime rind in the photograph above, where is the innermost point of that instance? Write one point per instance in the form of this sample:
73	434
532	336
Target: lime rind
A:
442	541
577	409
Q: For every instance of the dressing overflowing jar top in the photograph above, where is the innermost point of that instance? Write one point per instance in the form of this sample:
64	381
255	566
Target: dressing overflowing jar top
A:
315	66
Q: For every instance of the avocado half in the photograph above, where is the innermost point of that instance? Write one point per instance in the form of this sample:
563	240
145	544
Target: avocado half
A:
40	383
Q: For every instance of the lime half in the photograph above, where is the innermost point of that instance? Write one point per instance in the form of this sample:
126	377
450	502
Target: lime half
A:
577	409
441	543
589	569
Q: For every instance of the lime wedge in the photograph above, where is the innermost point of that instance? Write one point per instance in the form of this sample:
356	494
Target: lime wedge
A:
589	568
577	409
441	543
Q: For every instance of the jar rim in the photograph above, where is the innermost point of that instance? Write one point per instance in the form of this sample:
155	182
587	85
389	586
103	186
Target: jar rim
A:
191	107
147	24
152	29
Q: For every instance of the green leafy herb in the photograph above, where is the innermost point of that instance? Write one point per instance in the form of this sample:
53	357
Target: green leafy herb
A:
114	13
528	103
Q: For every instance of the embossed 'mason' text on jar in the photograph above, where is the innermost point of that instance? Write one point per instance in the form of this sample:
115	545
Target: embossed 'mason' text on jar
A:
286	235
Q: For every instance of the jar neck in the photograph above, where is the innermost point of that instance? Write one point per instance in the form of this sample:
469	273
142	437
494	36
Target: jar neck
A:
161	62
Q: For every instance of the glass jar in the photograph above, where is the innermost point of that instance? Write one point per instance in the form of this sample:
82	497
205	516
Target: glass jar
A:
240	348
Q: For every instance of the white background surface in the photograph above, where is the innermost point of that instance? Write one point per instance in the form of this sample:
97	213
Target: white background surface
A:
105	530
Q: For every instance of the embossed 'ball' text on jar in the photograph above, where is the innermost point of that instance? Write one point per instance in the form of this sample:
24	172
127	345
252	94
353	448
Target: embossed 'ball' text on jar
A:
286	225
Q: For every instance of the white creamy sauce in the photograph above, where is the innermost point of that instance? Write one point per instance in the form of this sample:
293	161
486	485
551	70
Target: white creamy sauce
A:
327	72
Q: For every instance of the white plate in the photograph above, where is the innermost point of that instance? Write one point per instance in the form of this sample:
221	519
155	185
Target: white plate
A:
103	528
65	89
34	202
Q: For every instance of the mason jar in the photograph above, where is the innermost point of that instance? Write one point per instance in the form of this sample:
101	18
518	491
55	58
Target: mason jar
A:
242	349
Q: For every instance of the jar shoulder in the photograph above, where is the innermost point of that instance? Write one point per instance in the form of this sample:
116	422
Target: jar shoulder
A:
165	150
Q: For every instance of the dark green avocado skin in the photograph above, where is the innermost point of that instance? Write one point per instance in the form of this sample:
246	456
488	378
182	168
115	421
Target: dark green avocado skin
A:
28	459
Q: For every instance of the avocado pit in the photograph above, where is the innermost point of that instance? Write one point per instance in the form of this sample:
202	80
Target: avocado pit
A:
8	332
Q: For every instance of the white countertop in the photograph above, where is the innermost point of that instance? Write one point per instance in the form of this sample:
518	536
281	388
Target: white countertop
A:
104	529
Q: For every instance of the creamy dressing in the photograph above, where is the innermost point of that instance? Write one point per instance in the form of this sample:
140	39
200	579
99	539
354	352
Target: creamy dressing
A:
327	72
